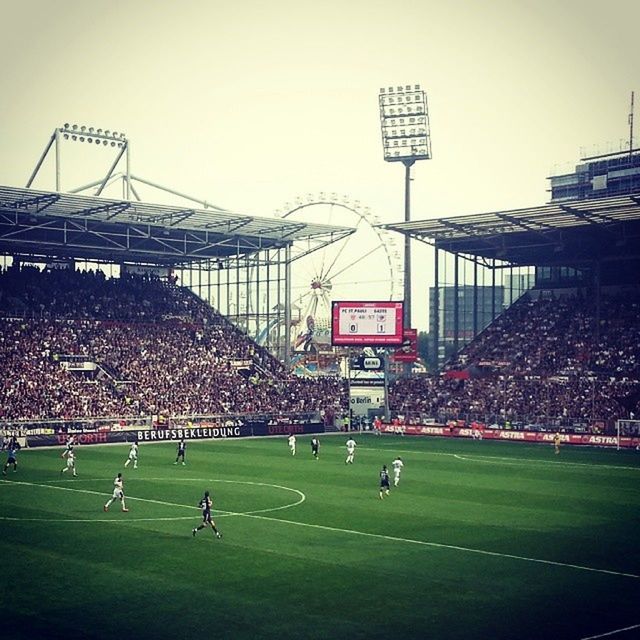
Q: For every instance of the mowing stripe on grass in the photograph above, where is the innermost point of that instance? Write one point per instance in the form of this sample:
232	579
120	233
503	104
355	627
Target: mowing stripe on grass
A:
380	536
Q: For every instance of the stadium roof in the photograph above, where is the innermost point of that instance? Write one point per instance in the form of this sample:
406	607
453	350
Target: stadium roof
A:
53	224
567	234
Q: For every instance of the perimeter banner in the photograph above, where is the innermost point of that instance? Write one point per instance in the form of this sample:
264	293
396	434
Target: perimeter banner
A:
203	431
516	436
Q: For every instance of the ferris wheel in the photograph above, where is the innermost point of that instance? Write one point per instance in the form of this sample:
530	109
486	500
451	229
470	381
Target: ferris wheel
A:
363	266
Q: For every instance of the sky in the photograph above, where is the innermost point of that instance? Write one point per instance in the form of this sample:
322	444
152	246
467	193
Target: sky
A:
250	104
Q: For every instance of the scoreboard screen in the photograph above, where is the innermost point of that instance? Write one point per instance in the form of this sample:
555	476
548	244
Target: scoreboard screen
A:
366	323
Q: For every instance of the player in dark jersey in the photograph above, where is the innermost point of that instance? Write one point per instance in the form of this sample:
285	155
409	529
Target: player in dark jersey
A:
315	447
384	482
205	504
182	445
12	449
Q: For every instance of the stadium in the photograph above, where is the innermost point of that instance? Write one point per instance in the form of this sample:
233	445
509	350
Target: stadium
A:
130	334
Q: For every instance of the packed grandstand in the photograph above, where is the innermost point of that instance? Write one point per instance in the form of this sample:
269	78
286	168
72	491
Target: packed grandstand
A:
76	345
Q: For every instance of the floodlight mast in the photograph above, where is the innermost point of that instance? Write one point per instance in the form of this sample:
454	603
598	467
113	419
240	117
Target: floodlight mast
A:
404	123
82	133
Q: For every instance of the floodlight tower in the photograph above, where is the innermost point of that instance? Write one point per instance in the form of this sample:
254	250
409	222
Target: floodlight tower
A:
90	135
404	121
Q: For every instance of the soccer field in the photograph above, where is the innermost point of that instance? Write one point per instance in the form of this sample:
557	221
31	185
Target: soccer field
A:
481	540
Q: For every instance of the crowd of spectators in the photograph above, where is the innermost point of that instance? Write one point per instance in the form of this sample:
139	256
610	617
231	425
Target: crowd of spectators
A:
160	350
545	360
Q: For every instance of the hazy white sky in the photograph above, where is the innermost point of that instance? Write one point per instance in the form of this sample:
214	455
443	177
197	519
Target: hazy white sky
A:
248	104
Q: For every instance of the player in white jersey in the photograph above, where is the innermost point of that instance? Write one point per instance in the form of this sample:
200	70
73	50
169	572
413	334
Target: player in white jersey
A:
118	493
351	449
397	465
133	456
71	442
71	463
292	444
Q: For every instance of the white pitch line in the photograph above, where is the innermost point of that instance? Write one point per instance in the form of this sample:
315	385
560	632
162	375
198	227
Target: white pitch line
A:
480	458
219	512
90	520
380	536
612	633
440	545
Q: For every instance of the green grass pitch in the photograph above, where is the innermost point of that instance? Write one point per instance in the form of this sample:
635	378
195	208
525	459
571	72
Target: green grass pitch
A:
480	541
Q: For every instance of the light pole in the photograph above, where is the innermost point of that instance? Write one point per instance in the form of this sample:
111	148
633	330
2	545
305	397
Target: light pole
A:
404	122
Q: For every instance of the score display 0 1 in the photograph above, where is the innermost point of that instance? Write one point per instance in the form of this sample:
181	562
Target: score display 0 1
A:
358	323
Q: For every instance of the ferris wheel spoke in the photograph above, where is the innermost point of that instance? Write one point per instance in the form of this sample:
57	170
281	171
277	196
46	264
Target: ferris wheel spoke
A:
324	255
324	275
356	261
312	307
326	301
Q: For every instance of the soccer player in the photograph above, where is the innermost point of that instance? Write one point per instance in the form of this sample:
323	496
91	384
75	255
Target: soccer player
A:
118	493
71	442
384	482
556	443
205	504
71	463
351	449
315	447
12	450
133	455
292	444
397	465
182	445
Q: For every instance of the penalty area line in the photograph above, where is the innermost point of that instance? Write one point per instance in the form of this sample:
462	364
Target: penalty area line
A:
440	545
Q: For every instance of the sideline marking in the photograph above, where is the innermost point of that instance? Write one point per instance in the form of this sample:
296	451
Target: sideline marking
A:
611	633
221	513
380	536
